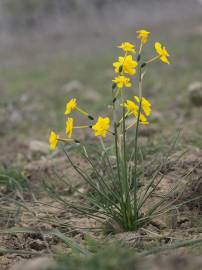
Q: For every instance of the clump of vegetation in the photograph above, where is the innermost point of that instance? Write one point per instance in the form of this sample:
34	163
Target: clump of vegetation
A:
107	257
117	188
12	180
13	185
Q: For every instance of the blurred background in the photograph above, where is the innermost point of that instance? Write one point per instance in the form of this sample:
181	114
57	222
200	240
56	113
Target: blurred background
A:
52	50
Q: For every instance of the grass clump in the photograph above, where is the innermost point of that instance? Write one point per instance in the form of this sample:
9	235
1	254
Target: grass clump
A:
12	180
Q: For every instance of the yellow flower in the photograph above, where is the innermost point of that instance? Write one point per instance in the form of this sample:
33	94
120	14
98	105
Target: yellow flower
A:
142	118
53	140
162	52
122	81
127	64
145	104
101	127
69	127
127	47
70	105
143	35
131	106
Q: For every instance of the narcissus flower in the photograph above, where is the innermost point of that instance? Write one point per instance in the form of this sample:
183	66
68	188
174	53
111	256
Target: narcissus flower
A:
143	35
162	52
130	106
126	64
53	140
69	127
145	104
142	118
127	47
122	81
101	127
70	106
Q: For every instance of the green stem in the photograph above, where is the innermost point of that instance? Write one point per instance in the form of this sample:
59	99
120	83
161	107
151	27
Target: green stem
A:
126	183
124	148
122	204
136	147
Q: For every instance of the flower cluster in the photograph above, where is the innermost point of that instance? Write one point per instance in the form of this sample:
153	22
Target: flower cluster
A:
133	109
138	107
100	127
115	183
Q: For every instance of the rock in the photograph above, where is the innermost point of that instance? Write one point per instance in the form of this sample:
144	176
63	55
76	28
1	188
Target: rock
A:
92	95
195	93
24	98
129	238
72	86
38	245
36	146
183	222
159	224
148	130
43	263
15	117
155	116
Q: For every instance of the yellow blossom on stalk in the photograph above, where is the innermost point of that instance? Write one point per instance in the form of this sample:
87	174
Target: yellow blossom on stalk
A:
145	104
162	52
122	81
127	64
142	118
69	127
143	35
53	140
130	106
70	106
101	127
127	47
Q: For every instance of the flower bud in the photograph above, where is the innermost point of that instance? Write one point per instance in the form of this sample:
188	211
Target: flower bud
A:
120	68
114	100
90	117
143	65
113	86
